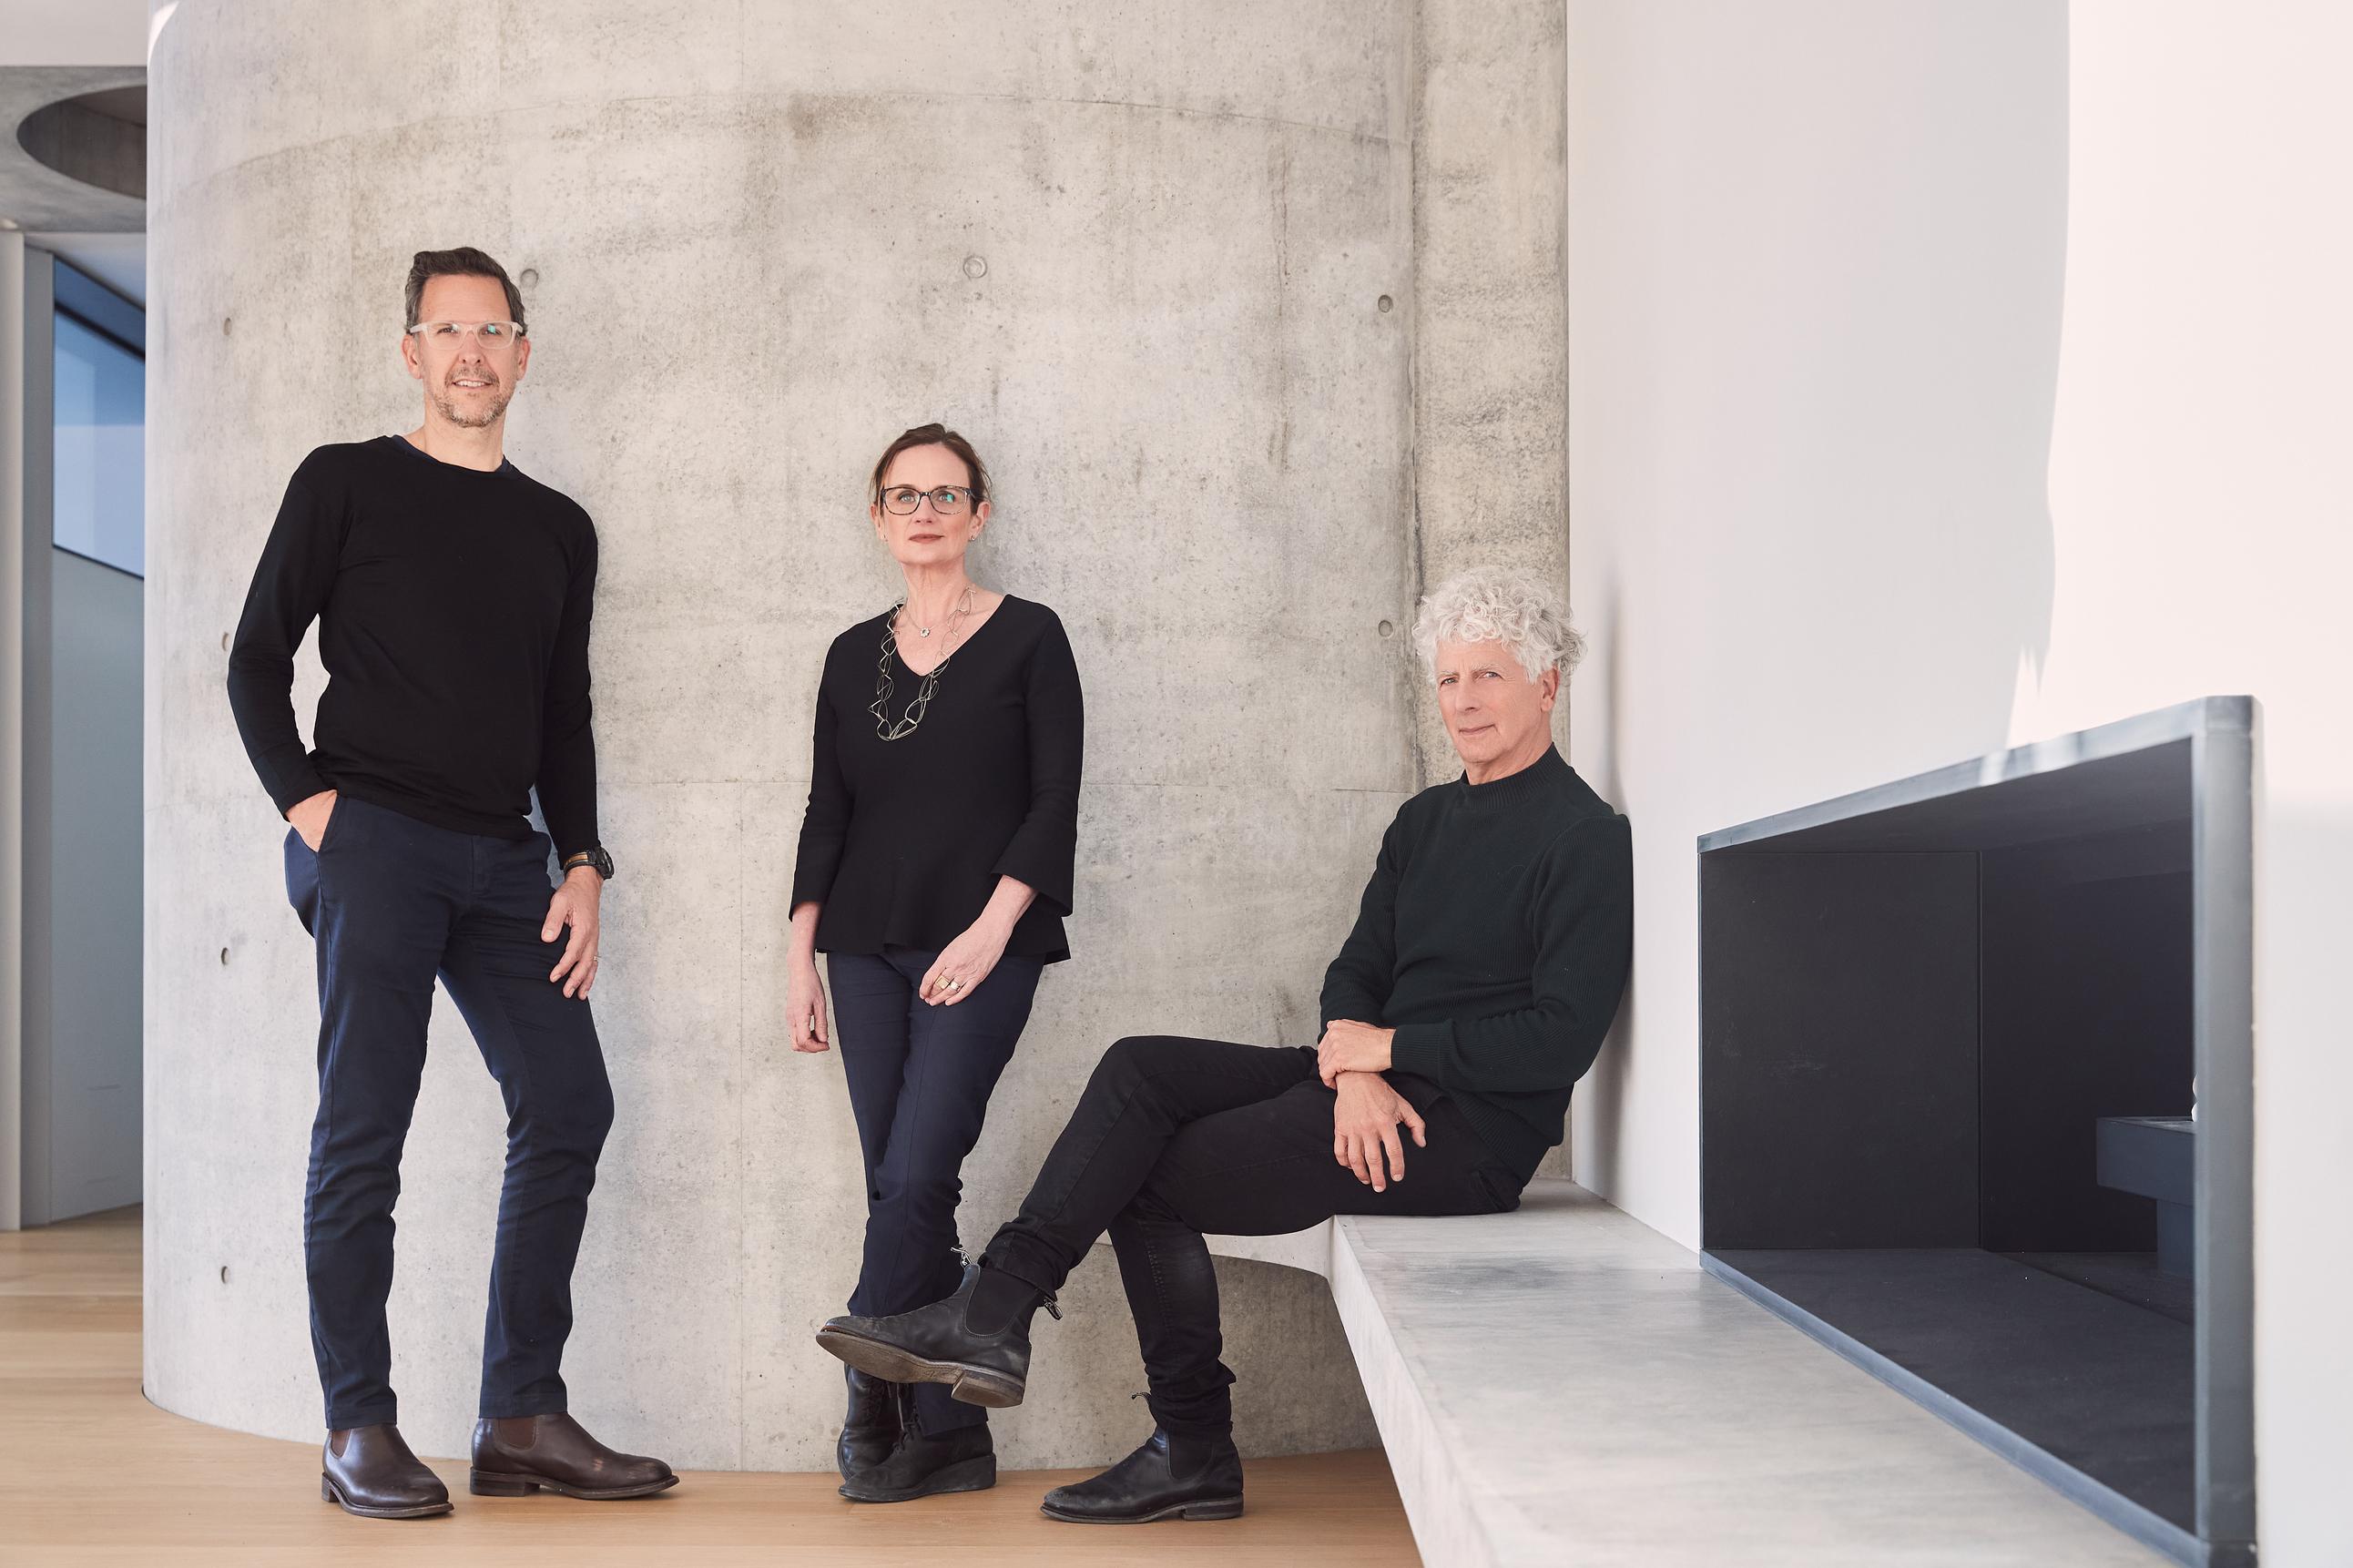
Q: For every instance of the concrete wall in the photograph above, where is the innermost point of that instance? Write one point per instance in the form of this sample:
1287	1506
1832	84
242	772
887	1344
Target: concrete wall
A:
1491	356
1943	376
1139	254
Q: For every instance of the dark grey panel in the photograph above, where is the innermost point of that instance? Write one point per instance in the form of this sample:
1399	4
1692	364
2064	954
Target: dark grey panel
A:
2099	804
2052	810
2154	1156
1838	1021
2134	1277
2086	1013
2138	789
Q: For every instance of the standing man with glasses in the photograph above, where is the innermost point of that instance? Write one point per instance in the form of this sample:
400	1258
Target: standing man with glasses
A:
453	595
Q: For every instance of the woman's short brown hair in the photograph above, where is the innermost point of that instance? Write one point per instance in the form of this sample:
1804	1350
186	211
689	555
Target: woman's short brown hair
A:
931	435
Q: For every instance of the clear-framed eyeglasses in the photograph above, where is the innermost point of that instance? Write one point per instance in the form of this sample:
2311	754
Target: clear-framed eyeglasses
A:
900	501
451	334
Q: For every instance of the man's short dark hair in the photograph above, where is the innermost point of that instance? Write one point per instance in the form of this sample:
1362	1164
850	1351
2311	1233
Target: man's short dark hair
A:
463	262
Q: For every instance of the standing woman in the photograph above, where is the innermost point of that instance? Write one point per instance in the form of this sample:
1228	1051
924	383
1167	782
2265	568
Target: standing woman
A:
934	872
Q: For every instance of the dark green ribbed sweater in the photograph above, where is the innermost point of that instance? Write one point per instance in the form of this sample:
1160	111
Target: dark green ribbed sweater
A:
1494	938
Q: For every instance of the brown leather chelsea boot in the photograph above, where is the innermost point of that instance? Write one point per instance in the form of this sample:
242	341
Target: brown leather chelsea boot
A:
518	1454
369	1471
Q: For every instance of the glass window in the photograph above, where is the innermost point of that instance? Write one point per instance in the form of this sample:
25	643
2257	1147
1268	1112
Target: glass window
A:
102	417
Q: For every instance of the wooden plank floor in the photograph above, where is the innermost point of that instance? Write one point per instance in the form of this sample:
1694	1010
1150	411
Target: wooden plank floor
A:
91	1473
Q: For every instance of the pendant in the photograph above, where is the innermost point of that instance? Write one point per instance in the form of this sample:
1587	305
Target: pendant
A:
923	631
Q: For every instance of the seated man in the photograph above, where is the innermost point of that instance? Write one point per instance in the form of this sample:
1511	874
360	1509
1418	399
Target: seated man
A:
1487	961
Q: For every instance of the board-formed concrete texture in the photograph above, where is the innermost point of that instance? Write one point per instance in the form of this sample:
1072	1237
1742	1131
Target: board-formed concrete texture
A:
1140	255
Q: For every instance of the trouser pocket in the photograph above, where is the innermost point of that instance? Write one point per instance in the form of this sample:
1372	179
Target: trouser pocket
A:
302	880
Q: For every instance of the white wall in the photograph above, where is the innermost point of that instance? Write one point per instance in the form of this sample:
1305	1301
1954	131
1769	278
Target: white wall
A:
1945	375
1815	257
2199	474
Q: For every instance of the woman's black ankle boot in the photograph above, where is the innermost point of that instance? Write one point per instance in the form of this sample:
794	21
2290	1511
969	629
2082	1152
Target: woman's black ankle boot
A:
961	1460
870	1429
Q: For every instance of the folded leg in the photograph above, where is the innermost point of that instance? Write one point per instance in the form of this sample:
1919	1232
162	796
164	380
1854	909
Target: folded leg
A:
1263	1169
1143	1092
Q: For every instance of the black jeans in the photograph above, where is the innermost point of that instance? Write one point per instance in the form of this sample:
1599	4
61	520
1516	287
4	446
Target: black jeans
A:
919	1077
1175	1137
391	903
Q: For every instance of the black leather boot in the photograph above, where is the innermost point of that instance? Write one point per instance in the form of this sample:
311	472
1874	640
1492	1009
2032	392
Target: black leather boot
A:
369	1471
1188	1478
976	1341
870	1430
962	1460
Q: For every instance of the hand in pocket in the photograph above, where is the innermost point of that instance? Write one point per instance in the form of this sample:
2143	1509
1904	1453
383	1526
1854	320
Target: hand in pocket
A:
309	818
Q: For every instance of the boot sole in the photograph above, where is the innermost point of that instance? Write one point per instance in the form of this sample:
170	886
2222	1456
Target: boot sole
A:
964	1476
972	1384
1205	1508
502	1483
330	1492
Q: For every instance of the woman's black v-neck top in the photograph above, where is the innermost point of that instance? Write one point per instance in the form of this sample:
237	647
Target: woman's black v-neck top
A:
904	841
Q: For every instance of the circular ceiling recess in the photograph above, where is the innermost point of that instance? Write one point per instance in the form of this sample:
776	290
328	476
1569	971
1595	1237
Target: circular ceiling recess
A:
100	139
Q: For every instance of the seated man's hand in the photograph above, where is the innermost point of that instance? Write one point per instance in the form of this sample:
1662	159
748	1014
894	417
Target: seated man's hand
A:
1351	1046
1365	1128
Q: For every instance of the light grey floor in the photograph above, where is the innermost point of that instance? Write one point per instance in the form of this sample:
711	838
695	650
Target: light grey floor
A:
1563	1385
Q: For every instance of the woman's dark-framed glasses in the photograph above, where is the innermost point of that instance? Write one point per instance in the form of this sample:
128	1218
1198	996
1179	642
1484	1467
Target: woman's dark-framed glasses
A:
900	501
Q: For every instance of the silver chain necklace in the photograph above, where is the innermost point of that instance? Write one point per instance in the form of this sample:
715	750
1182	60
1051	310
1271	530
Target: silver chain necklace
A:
883	685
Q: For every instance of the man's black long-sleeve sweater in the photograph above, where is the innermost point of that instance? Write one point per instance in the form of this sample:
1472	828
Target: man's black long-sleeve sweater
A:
1495	937
453	609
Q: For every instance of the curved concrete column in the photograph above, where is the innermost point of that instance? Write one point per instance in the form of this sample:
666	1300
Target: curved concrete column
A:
1143	267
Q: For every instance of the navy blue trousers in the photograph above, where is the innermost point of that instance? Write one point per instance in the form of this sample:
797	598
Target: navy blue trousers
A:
393	902
920	1079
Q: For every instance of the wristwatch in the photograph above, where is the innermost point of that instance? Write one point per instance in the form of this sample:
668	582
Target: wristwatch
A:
596	859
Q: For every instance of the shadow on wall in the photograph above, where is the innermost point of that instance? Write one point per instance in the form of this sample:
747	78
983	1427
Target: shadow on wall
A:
1814	343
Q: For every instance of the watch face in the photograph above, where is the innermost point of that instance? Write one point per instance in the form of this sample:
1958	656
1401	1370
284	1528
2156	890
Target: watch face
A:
604	862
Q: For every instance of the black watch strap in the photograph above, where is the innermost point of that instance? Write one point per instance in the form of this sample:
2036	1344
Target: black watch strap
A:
596	859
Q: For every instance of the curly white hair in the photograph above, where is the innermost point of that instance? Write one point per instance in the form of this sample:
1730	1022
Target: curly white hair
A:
1492	605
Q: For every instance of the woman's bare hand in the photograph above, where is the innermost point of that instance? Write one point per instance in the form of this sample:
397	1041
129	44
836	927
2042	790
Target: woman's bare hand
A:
963	963
805	1006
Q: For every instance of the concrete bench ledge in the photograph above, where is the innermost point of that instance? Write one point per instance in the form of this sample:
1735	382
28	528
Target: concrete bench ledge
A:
1564	1385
